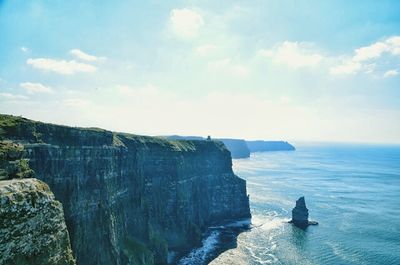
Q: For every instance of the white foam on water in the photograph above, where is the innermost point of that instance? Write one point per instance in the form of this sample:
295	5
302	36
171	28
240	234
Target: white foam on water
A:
199	255
271	222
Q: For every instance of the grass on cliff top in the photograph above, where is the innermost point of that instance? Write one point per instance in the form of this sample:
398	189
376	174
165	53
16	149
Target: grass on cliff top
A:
10	126
17	126
13	121
12	163
177	145
7	121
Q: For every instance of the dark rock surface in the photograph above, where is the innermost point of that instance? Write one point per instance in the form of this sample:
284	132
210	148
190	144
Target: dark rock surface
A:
237	147
300	214
129	199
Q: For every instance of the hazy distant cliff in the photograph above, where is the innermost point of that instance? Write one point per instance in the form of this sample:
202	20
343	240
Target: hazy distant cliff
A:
266	146
240	148
237	147
128	199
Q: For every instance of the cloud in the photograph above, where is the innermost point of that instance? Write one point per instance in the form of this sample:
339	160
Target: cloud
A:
61	66
370	52
32	88
348	67
186	23
226	66
84	56
394	43
293	54
365	57
24	49
13	96
390	73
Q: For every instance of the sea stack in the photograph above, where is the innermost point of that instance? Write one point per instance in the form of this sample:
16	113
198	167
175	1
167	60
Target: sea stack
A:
300	214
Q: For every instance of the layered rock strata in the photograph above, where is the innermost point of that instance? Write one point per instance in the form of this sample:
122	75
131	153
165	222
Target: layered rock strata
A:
129	199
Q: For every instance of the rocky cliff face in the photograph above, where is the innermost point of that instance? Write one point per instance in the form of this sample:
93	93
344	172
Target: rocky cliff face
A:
237	147
32	225
128	199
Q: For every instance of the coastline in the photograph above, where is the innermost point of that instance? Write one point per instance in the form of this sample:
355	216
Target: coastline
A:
216	240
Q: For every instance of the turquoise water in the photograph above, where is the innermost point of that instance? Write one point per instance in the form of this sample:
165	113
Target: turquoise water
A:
353	191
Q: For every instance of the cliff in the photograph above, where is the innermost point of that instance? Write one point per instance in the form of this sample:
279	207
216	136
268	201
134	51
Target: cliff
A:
237	147
265	146
32	225
300	215
241	148
129	199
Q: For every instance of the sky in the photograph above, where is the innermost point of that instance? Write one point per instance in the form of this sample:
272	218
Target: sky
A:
275	70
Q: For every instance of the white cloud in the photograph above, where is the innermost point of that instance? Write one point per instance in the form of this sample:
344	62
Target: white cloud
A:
370	52
84	56
61	66
394	43
226	66
24	49
368	57
32	88
390	73
348	67
13	96
390	45
186	23
293	54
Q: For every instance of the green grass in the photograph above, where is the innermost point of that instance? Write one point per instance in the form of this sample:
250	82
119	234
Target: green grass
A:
12	164
19	128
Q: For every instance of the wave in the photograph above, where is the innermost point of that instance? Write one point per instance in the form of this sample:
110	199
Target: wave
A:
200	255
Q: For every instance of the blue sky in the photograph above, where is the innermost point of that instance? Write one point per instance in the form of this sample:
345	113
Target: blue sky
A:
295	70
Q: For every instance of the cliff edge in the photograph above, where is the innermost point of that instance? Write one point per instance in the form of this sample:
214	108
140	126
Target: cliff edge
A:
128	199
32	225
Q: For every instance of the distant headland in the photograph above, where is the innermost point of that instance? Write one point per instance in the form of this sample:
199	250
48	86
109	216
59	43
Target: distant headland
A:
241	148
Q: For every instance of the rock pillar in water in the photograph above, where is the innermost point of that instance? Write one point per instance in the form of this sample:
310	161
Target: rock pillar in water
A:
300	214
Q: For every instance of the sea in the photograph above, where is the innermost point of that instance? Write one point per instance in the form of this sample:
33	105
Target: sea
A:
351	190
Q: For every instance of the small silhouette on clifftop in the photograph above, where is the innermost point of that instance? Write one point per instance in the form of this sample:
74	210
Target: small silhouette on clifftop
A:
300	215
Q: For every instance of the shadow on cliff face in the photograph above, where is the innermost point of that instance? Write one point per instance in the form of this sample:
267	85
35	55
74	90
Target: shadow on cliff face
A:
216	240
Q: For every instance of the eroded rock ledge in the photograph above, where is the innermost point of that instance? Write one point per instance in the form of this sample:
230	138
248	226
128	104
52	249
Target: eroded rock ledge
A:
32	225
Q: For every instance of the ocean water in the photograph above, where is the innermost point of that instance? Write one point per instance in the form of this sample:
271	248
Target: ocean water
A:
353	191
